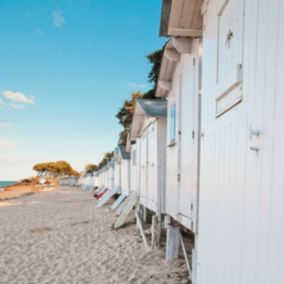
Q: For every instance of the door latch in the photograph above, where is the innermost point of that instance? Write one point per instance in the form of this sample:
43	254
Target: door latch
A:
253	133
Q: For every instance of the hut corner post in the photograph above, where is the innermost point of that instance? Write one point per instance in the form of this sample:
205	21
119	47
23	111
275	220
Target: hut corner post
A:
156	231
173	240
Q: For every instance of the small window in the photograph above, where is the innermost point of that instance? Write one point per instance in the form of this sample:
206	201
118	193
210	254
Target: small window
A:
172	130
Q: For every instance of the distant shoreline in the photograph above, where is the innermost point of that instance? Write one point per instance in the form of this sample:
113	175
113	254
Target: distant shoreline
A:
4	184
15	191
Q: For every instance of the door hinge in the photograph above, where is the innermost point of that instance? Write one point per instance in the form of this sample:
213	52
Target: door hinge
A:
193	134
194	60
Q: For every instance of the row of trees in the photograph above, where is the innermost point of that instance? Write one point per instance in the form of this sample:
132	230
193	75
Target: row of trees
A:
55	169
125	113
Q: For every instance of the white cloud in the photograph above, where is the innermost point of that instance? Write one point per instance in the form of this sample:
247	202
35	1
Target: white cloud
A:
5	125
5	143
58	19
137	85
18	97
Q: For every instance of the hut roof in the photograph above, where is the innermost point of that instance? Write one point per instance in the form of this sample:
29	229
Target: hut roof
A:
124	154
154	108
181	18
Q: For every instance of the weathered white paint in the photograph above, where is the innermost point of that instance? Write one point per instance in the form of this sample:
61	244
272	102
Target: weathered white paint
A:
68	181
125	177
153	154
182	18
182	153
117	176
102	178
133	147
173	242
241	230
125	174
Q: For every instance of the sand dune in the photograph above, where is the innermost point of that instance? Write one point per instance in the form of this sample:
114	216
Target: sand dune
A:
59	237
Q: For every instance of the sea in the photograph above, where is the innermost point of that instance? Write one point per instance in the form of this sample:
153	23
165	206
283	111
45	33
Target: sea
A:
6	183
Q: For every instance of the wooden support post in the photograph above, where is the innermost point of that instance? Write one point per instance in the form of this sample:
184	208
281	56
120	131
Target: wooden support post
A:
156	232
194	266
140	226
186	257
173	241
139	210
145	215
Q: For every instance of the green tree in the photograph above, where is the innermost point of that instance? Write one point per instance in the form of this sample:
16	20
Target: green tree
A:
123	137
55	169
125	113
155	59
90	168
107	157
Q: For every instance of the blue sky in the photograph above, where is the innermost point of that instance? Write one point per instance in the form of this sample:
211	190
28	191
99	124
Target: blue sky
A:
65	68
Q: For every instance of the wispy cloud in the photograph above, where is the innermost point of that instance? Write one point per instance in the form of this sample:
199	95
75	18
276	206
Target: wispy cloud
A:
6	143
133	85
58	19
18	97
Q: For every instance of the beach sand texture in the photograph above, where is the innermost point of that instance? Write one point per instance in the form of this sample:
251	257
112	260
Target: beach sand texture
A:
59	237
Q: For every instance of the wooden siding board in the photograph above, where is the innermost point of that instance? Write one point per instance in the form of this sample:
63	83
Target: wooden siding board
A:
245	241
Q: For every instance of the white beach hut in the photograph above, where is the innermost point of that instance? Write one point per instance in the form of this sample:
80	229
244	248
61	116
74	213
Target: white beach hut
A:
107	171
110	185
86	181
117	161
149	130
179	83
240	185
117	170
133	147
125	177
241	178
96	179
102	183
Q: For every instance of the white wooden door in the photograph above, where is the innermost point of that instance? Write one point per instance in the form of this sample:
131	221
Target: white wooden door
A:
224	146
152	194
133	166
263	257
143	184
188	141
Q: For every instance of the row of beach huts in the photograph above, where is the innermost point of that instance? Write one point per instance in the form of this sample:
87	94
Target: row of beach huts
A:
206	158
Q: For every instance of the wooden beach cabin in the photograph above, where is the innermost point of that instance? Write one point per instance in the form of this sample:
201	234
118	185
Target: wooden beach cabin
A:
149	129
111	188
125	176
110	175
179	83
241	178
102	178
133	147
240	185
86	181
117	171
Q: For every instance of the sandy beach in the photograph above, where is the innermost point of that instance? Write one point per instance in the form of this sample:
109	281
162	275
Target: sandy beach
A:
59	237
